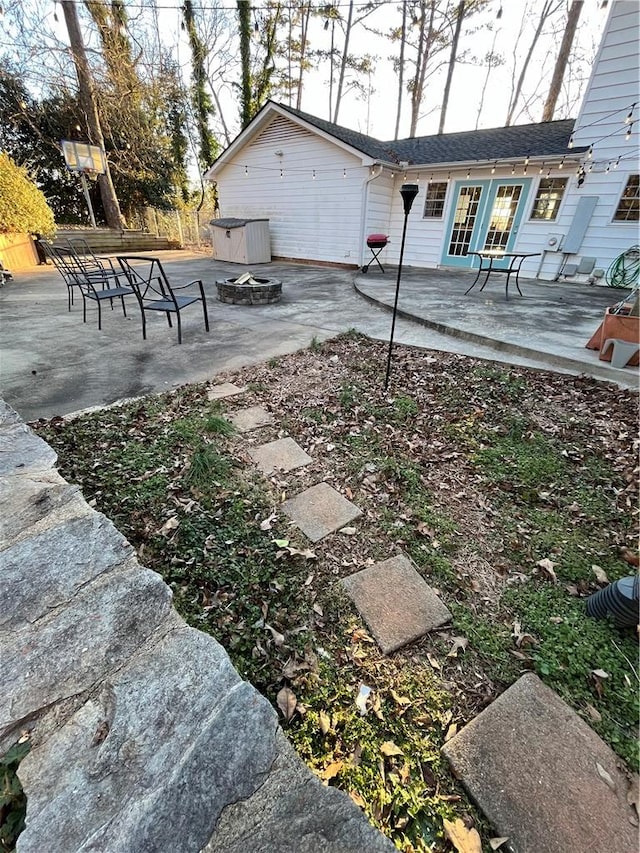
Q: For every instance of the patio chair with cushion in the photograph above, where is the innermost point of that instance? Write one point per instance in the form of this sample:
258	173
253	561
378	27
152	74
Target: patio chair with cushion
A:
154	292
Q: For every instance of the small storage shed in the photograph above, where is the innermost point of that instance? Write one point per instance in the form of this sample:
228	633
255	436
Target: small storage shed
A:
241	241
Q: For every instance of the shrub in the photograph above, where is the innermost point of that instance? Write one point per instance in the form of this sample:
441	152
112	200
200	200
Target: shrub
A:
23	207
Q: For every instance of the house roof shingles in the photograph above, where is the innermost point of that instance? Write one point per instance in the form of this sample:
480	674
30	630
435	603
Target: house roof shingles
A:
545	139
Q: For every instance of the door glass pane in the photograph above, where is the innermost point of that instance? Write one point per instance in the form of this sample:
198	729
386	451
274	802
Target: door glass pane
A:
464	219
502	216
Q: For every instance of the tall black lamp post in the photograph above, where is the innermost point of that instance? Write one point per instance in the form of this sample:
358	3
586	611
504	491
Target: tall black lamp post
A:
408	193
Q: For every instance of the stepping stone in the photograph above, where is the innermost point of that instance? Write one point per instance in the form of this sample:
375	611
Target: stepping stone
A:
320	510
395	602
284	454
542	776
252	418
225	389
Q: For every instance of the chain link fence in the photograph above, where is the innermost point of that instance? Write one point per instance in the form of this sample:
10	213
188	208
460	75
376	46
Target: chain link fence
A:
183	227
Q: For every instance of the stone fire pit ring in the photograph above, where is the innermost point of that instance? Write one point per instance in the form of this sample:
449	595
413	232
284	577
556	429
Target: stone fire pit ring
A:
264	292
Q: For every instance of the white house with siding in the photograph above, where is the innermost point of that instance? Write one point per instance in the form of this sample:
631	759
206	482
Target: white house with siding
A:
565	190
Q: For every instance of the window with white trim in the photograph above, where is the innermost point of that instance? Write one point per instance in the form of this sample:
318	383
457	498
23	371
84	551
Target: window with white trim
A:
628	209
548	198
434	200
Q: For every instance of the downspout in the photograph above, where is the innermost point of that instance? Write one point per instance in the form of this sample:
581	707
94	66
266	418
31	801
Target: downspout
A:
365	205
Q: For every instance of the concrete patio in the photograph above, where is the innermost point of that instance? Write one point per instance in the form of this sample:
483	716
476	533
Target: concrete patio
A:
52	363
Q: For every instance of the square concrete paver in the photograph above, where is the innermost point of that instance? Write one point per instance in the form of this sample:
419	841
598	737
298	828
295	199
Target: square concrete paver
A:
395	602
320	510
542	776
284	454
225	389
254	417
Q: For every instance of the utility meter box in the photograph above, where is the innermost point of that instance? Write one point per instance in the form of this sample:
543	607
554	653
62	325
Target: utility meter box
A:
241	241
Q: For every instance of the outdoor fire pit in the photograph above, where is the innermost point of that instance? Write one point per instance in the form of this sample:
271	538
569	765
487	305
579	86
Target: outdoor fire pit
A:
249	290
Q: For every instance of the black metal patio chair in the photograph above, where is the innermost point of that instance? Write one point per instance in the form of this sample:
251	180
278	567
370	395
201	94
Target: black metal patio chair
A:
97	282
154	292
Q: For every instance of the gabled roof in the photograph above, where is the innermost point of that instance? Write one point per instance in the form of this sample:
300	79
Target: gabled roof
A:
544	139
360	141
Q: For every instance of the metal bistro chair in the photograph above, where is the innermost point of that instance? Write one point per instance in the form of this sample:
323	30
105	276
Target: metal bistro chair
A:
151	285
65	266
95	281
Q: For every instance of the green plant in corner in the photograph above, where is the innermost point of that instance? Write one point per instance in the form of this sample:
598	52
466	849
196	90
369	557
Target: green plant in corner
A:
13	802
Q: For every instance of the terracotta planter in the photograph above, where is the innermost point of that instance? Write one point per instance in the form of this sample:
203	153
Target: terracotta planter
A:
619	326
17	252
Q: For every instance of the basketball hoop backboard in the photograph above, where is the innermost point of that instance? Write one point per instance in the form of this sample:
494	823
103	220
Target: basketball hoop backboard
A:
82	157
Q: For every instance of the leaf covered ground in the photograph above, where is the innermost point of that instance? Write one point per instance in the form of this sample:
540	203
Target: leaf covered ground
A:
514	492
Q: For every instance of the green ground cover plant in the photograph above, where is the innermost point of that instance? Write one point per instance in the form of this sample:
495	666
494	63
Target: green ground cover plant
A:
514	492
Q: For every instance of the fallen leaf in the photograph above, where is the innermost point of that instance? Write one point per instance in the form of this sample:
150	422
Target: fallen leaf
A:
495	843
265	524
599	673
459	645
548	569
331	770
630	557
602	773
595	715
463	839
557	620
287	702
389	748
601	575
435	663
451	731
280	543
317	609
357	799
348	531
278	638
399	700
169	525
325	722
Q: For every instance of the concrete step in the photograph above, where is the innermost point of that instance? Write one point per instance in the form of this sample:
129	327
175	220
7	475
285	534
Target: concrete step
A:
107	240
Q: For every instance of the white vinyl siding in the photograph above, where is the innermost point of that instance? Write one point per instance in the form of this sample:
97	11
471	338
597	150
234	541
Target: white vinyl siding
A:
613	87
309	219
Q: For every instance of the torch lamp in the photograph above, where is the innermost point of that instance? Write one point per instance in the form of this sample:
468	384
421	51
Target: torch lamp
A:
408	193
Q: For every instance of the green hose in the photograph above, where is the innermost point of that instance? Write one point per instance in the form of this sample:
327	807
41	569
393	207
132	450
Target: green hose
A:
624	271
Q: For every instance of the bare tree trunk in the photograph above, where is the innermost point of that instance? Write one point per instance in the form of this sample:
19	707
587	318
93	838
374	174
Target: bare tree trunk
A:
452	62
547	10
424	48
486	79
403	40
86	95
304	25
343	63
563	57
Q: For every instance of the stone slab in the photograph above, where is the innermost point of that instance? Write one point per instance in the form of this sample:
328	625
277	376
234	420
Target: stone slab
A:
150	763
21	450
225	389
254	417
285	454
48	569
531	764
396	603
294	812
70	648
31	503
320	510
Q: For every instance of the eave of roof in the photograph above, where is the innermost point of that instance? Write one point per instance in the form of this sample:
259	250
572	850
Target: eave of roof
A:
543	139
